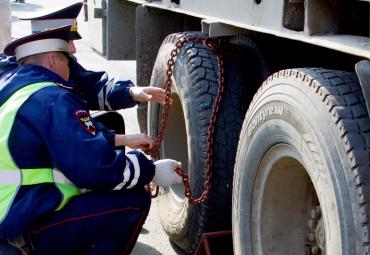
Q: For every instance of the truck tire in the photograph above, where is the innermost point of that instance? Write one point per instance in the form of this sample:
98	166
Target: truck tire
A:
258	69
301	183
194	90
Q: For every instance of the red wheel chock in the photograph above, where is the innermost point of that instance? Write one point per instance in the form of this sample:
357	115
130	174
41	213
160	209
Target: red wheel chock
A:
214	243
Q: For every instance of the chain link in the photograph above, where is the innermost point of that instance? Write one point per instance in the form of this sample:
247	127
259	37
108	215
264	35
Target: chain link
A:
214	48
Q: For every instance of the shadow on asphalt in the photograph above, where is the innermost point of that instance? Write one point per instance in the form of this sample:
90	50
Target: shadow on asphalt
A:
144	249
144	231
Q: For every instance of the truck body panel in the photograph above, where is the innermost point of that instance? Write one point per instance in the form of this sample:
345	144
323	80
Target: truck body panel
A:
318	24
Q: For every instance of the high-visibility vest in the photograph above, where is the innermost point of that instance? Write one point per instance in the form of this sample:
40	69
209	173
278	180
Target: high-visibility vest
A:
11	176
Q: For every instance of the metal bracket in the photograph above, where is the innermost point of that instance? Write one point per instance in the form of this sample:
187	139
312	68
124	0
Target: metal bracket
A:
363	74
214	28
100	13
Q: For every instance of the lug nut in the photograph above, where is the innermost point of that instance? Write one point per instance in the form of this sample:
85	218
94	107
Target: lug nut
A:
312	224
315	250
316	213
312	237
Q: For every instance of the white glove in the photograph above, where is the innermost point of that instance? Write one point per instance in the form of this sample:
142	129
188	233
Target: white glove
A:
165	174
148	94
138	94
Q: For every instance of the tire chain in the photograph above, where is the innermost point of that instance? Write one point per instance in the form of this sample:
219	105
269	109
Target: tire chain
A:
214	47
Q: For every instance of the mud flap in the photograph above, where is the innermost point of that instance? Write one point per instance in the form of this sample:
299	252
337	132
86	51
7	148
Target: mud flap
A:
363	74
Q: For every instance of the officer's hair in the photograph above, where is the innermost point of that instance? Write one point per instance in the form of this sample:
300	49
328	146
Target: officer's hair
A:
37	59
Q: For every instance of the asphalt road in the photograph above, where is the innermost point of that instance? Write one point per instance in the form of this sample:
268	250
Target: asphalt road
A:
152	240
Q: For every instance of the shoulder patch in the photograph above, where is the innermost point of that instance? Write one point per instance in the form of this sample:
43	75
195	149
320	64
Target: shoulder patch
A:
85	120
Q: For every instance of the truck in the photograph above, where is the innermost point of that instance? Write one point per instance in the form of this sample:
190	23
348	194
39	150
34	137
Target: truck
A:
284	157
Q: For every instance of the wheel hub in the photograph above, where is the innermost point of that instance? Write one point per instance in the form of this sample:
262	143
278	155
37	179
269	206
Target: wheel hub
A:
316	233
320	234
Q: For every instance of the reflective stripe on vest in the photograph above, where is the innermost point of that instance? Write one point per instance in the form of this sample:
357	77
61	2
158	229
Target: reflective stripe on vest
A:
11	177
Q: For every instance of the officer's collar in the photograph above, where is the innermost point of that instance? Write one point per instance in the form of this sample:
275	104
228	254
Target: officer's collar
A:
24	75
53	77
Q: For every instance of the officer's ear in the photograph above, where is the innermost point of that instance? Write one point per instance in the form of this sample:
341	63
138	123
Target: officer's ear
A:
53	62
50	60
71	47
55	58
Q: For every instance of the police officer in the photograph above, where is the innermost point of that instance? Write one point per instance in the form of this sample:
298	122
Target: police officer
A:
96	88
51	149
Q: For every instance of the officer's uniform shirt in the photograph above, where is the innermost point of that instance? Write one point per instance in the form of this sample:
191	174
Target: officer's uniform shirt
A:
7	63
100	92
53	129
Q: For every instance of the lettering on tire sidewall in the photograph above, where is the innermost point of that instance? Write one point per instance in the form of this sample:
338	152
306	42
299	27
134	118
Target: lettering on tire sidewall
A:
263	114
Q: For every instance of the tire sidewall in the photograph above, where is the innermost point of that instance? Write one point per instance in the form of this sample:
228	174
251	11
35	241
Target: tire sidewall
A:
305	127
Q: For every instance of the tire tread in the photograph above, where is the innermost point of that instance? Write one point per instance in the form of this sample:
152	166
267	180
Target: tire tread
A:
202	68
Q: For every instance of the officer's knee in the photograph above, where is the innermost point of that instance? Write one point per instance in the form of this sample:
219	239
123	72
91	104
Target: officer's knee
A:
7	249
146	199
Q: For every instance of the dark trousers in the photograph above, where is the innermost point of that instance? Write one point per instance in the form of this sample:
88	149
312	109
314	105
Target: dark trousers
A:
94	223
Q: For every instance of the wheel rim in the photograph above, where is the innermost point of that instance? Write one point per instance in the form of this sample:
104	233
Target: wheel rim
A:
175	148
284	205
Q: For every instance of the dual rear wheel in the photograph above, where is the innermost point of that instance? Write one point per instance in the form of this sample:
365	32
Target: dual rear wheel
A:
301	180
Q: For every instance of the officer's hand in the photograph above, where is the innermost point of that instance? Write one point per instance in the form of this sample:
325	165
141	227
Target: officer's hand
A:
165	174
145	94
136	141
